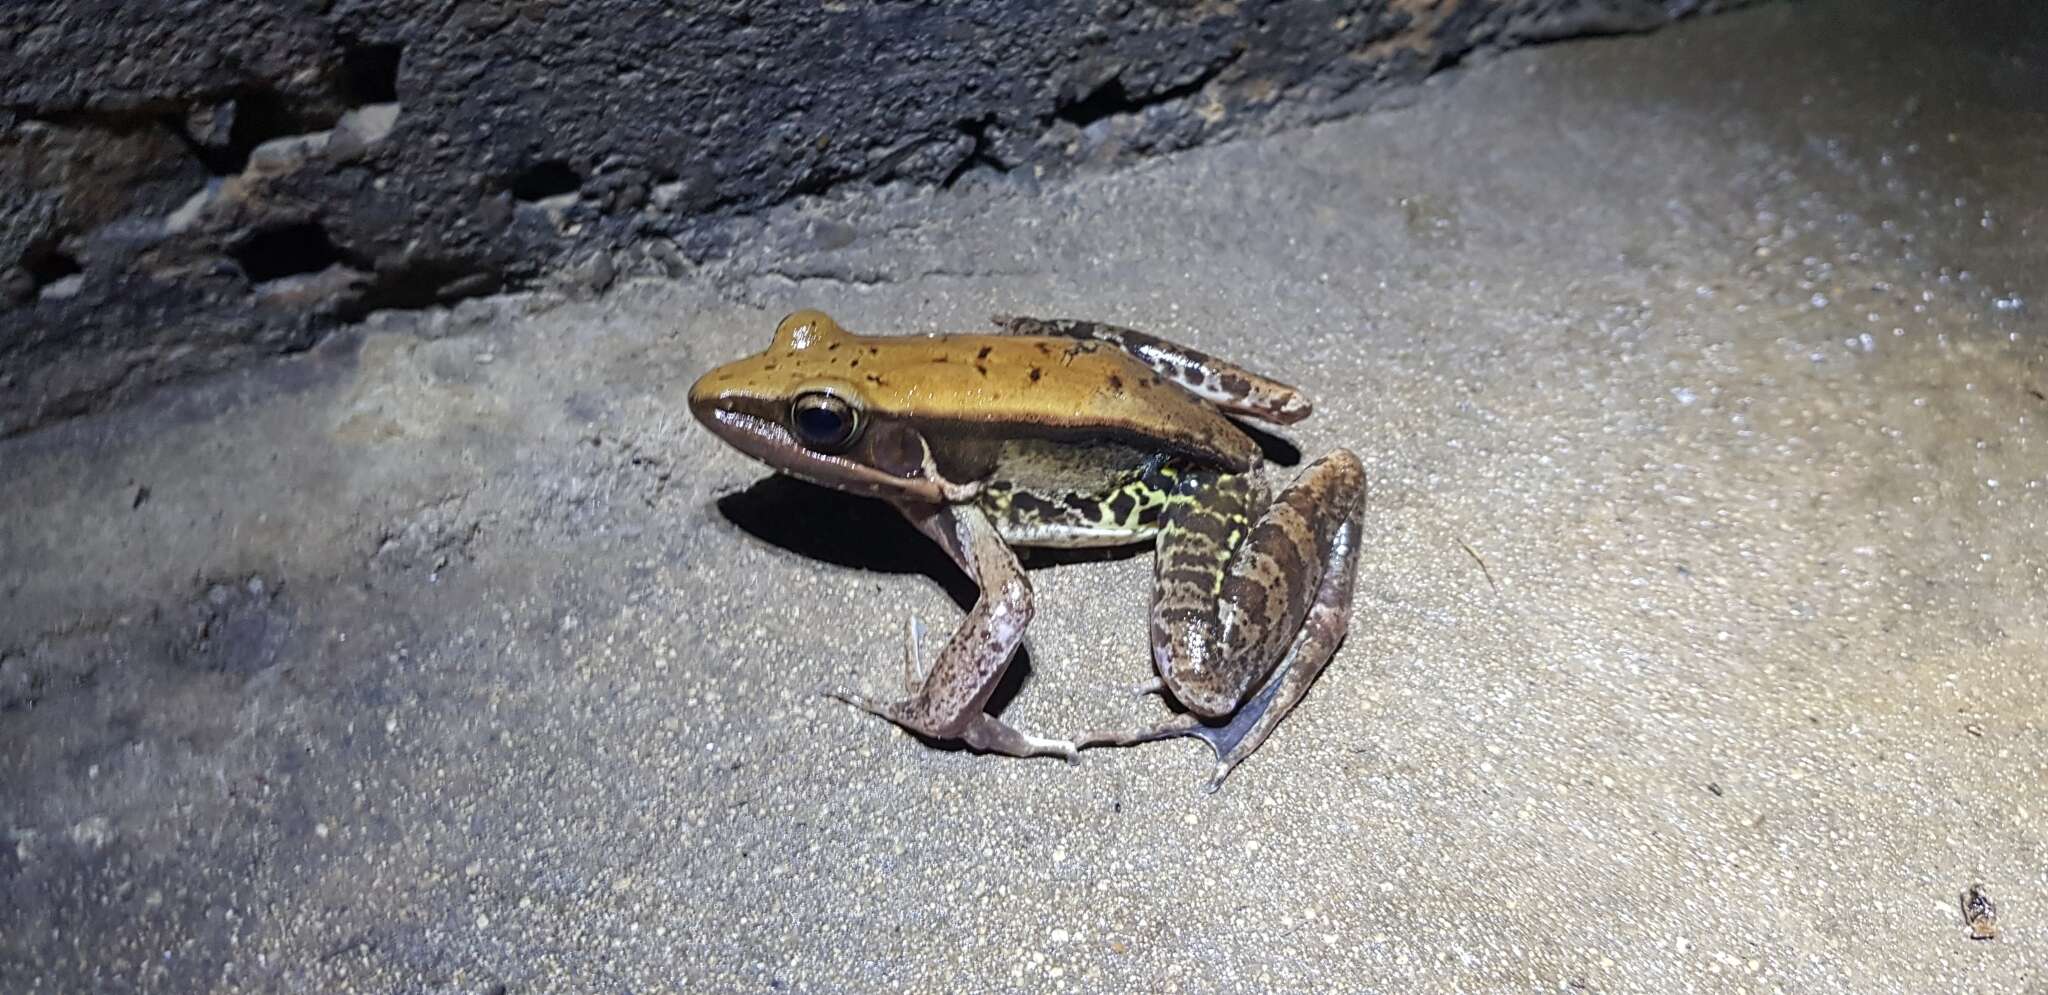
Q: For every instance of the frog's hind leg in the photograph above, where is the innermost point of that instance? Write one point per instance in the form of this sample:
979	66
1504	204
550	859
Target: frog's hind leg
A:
1283	591
1321	633
1218	381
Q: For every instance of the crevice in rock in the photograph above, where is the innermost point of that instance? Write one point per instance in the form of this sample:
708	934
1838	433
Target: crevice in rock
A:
422	283
46	264
814	183
164	114
255	115
261	115
369	71
1107	99
549	178
115	119
285	250
978	155
1110	99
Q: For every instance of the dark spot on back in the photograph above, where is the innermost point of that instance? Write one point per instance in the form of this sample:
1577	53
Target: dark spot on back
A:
1043	349
873	379
874	350
1036	373
985	350
832	347
854	363
1121	506
983	370
1116	382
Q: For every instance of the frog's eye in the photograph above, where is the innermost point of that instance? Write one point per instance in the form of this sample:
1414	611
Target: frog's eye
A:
823	422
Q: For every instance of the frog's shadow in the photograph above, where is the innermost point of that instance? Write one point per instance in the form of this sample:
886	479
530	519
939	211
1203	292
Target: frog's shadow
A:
867	534
1276	449
841	529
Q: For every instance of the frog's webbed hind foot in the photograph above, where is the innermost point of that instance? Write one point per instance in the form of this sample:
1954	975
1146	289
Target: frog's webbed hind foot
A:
1232	740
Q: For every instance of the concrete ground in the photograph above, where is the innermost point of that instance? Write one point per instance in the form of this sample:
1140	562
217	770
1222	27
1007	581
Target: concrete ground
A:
1699	647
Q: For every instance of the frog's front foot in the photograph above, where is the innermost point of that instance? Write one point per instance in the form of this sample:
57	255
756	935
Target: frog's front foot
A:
981	731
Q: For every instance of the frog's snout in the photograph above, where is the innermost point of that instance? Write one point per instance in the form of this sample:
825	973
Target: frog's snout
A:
736	416
704	398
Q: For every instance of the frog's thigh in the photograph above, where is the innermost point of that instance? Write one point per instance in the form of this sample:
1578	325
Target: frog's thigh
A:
1316	640
1235	580
1218	381
1278	604
1207	522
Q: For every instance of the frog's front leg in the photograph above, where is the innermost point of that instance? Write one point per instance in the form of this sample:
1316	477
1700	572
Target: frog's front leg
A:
1218	381
946	697
1249	593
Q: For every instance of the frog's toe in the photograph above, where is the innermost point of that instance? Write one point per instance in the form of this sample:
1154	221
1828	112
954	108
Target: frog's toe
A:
849	696
914	669
989	734
1215	782
1178	725
1154	686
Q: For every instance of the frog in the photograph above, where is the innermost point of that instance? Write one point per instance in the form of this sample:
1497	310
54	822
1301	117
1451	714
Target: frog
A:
1070	434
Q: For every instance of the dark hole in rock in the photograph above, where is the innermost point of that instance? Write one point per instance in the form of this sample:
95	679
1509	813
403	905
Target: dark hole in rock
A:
46	264
257	115
1106	100
286	250
369	72
1110	98
978	154
546	179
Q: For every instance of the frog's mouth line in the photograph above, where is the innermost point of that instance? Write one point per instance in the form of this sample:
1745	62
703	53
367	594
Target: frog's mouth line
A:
771	443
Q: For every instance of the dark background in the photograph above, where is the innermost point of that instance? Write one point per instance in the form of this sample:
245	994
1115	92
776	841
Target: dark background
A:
187	185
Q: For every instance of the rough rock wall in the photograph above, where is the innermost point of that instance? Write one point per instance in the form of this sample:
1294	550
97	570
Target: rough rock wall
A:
185	184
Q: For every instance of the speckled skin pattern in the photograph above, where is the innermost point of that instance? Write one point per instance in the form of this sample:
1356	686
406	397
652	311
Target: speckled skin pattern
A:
1245	590
1211	379
1073	434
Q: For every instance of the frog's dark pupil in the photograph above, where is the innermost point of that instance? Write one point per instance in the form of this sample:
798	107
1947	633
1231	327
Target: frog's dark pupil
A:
820	424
